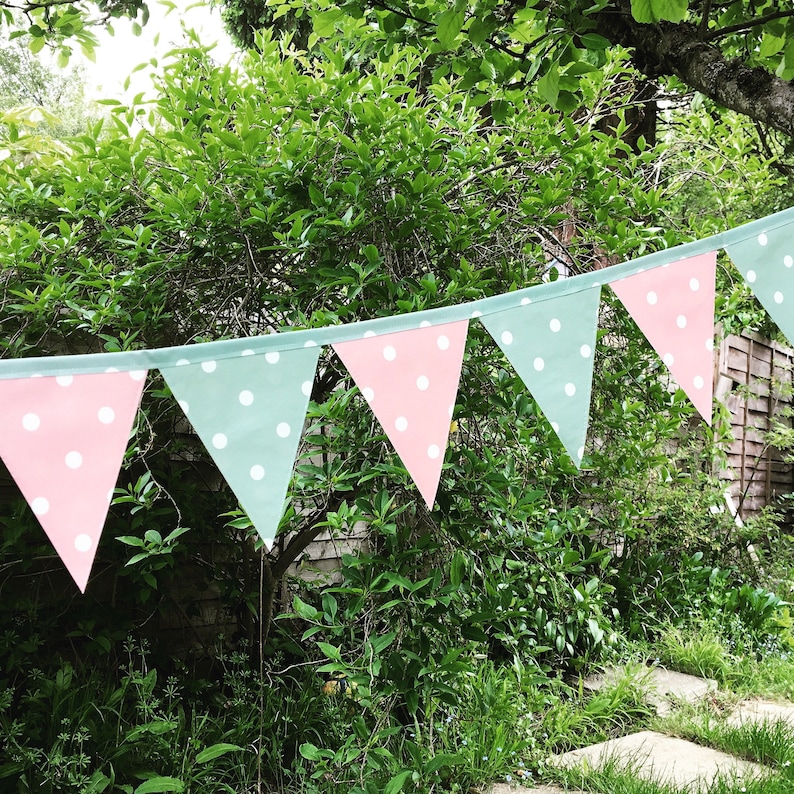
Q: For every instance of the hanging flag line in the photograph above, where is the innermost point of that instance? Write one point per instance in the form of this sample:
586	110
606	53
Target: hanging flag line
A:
740	238
64	426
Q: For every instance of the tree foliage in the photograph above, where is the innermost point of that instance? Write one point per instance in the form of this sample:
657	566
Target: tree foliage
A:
739	54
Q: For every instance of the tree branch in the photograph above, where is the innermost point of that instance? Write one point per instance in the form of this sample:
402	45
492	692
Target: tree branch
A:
677	49
748	24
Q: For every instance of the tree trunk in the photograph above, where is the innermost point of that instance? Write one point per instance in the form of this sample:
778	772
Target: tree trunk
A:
677	49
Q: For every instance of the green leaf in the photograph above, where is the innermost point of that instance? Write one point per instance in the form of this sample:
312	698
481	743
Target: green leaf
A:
324	23
397	782
549	85
457	568
441	760
311	752
771	45
36	44
592	41
449	24
331	651
652	11
304	610
215	751
156	785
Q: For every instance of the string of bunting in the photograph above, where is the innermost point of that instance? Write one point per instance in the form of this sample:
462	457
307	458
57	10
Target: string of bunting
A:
65	420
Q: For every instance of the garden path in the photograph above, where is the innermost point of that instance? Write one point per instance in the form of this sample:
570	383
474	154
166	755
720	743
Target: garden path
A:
655	755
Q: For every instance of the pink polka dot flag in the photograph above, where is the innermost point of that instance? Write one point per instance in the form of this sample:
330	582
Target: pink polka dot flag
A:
673	306
410	380
63	440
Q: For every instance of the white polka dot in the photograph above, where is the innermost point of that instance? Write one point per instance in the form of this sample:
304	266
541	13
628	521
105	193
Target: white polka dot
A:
369	394
219	441
401	423
185	406
443	342
539	363
64	380
246	397
111	369
31	422
570	389
680	321
283	430
555	325
788	261
778	296
709	344
433	451
110	495
82	542
389	353
762	239
40	506
257	472
106	415
652	298
425	324
451	410
272	357
306	388
585	351
183	361
369	334
555	427
310	343
698	382
208	366
668	359
475	313
526	301
422	382
247	352
507	338
137	374
751	276
580	452
694	284
74	460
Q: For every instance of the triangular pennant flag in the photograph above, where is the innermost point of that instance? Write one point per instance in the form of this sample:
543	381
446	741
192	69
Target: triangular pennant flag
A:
551	345
249	412
767	264
63	440
410	380
673	306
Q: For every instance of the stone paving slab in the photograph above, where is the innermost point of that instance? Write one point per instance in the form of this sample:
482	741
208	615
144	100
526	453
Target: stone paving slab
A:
664	688
656	756
758	711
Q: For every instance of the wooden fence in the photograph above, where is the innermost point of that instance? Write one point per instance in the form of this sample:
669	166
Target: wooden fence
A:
754	380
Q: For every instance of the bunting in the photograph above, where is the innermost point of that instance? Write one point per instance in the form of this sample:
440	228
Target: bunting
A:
766	260
410	380
63	440
249	413
551	346
674	307
65	420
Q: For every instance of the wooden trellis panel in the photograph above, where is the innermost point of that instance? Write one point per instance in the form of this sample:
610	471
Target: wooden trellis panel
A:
754	380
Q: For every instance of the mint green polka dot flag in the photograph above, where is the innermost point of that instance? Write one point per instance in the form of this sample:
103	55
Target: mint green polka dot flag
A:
551	345
249	412
766	261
